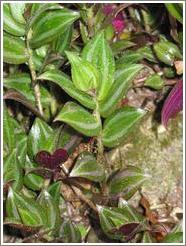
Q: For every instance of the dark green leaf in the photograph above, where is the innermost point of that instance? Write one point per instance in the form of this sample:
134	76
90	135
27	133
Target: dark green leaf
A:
87	167
70	232
175	10
80	119
31	180
19	97
112	219
22	82
166	52
175	237
14	50
30	212
129	57
12	170
66	84
119	124
123	81
54	191
10	24
120	45
147	238
154	81
11	209
127	181
49	26
40	138
51	211
63	41
98	52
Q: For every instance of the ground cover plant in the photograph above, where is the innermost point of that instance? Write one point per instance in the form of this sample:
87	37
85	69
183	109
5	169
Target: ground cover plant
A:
72	73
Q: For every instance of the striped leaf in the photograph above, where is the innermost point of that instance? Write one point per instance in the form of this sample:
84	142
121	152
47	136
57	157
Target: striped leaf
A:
154	81
40	137
12	171
119	124
87	167
147	238
70	232
128	57
176	10
66	84
30	212
126	182
22	83
14	50
112	219
175	237
98	52
17	11
84	75
50	25
10	24
79	119
123	81
63	41
51	211
31	180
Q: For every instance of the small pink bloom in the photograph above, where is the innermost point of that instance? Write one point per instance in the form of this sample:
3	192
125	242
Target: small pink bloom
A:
118	25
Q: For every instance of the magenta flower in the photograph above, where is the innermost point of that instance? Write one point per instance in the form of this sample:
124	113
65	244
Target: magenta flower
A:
118	21
173	104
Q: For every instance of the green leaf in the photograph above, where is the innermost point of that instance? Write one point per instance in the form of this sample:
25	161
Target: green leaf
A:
21	145
32	180
87	167
63	41
51	211
98	52
10	25
127	181
11	209
70	232
22	83
166	52
129	57
119	124
154	81
79	119
84	75
40	138
29	210
175	10
66	84
54	191
12	170
147	53
49	26
175	237
14	50
111	219
147	238
17	11
120	45
123	81
9	125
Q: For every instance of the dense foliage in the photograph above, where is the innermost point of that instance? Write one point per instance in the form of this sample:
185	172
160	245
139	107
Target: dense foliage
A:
68	69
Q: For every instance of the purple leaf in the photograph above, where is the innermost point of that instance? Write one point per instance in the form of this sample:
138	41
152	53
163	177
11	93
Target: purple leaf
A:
129	229
173	104
52	161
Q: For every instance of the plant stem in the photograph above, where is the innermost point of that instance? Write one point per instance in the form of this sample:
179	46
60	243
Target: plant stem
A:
101	157
35	85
